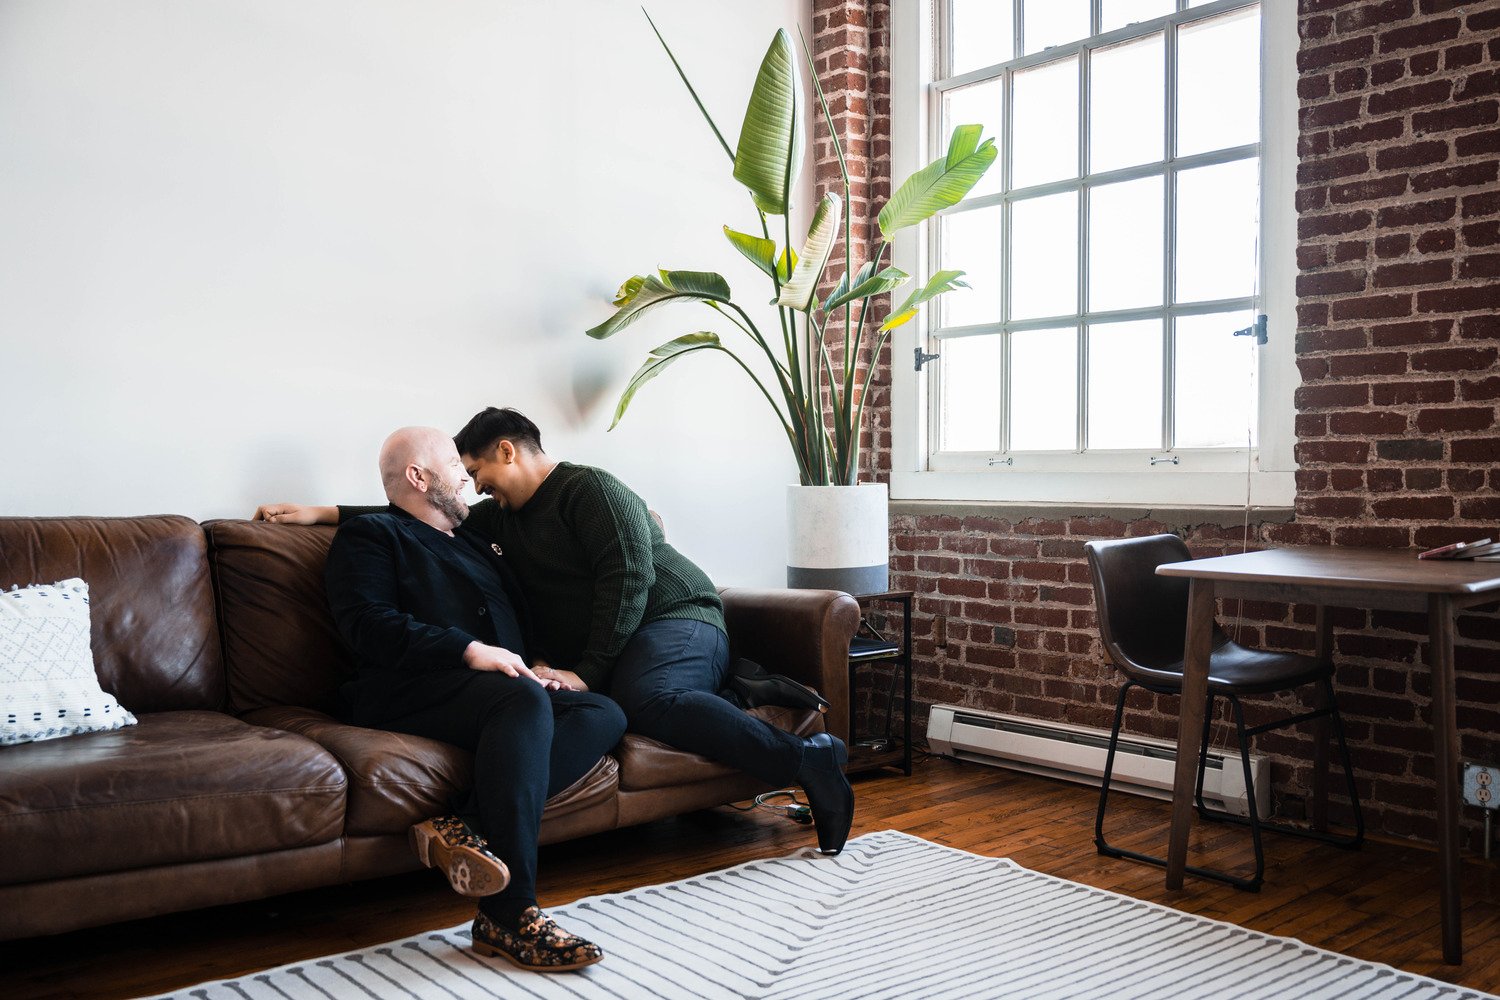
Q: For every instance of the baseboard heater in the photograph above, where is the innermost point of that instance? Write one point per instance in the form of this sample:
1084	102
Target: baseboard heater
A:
1143	766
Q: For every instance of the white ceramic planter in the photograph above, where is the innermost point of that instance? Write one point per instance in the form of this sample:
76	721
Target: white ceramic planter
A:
838	538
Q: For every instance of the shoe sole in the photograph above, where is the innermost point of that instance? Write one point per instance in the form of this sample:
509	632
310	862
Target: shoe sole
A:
493	952
841	758
752	694
468	871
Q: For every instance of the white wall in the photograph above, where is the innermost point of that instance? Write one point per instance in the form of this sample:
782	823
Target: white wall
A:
241	240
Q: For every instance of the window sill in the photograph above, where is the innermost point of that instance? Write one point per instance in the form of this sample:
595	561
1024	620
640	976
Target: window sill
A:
1172	517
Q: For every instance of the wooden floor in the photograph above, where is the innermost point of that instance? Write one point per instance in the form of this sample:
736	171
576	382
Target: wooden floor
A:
1377	903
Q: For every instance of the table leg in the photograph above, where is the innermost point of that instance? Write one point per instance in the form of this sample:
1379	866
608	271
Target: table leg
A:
1197	646
1445	759
1321	727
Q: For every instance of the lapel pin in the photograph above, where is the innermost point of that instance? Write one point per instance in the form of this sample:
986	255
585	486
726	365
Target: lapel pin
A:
496	547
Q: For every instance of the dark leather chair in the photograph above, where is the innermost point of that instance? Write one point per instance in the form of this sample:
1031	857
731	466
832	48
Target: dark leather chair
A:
1143	619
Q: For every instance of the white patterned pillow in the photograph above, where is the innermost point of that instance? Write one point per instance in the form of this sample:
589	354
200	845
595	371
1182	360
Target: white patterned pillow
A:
48	687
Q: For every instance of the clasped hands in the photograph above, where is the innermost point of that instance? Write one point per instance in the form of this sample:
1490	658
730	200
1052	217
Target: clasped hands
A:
482	656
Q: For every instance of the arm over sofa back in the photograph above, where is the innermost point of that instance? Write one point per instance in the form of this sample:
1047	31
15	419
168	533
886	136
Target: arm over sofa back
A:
151	608
280	643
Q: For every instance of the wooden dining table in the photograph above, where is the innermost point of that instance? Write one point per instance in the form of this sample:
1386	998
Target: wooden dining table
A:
1332	577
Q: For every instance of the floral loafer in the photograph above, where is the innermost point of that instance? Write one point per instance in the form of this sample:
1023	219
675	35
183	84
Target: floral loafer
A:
538	945
444	842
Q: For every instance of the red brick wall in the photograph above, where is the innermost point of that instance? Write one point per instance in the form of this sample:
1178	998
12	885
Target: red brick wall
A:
851	50
1398	205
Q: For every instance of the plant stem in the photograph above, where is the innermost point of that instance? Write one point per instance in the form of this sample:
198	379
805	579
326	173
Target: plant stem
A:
790	385
785	426
838	149
864	391
752	334
851	367
765	231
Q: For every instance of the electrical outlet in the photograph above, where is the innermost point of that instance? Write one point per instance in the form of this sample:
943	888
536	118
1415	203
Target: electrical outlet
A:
940	630
1480	786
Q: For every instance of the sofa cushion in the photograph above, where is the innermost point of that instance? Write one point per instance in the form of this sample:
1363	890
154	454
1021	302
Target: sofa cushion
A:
396	780
153	631
48	687
178	787
646	763
280	643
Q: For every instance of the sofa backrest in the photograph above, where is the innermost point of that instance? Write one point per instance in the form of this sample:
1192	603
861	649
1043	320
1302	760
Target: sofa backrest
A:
280	643
151	606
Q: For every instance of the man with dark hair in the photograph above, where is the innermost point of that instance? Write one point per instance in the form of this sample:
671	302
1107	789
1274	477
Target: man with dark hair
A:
618	610
487	427
438	632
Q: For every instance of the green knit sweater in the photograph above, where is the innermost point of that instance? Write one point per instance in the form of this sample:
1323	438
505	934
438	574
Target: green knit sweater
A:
593	567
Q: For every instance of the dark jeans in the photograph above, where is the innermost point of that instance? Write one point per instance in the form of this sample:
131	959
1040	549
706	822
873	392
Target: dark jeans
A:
528	745
667	680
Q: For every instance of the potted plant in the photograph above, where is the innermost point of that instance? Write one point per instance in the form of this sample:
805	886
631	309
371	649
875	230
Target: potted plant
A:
838	528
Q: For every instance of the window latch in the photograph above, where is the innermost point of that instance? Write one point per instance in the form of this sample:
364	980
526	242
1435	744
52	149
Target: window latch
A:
922	358
1258	330
1164	460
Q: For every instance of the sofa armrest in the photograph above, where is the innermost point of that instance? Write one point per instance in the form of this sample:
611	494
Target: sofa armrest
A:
803	634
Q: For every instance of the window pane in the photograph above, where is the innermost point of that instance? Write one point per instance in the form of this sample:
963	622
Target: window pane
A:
1119	13
1216	381
1044	256
1126	227
970	368
1053	22
1218	82
1126	117
981	104
971	243
1216	231
1044	390
1045	144
982	33
1125	364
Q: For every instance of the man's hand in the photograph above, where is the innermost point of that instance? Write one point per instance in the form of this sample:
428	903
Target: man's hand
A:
295	513
566	679
481	656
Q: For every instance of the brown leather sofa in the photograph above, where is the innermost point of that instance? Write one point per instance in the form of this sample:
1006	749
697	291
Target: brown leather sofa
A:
238	783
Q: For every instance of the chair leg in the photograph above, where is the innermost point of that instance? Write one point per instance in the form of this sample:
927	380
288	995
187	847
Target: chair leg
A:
1208	723
1106	849
1239	725
1109	768
1337	840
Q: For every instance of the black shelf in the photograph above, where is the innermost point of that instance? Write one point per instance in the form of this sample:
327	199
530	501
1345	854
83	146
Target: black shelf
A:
865	651
863	759
873	650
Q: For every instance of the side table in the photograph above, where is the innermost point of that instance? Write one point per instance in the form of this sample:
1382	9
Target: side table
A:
868	649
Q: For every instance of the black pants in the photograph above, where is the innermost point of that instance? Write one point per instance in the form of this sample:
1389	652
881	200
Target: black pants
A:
528	745
668	678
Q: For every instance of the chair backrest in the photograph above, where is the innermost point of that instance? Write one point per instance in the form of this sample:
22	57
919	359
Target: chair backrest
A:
1142	616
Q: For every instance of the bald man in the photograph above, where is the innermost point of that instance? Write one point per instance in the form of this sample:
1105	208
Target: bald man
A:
439	635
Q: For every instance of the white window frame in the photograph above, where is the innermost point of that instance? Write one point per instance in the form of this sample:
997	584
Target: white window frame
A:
1219	477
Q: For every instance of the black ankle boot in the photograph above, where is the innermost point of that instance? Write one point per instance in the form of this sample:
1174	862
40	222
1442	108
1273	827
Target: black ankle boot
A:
753	686
828	791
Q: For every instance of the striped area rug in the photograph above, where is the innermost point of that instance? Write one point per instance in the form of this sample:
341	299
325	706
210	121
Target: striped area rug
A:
893	916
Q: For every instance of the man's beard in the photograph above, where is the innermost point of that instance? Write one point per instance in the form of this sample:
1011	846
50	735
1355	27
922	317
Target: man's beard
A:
446	501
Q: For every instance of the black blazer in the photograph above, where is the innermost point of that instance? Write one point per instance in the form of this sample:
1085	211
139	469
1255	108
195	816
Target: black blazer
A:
406	604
